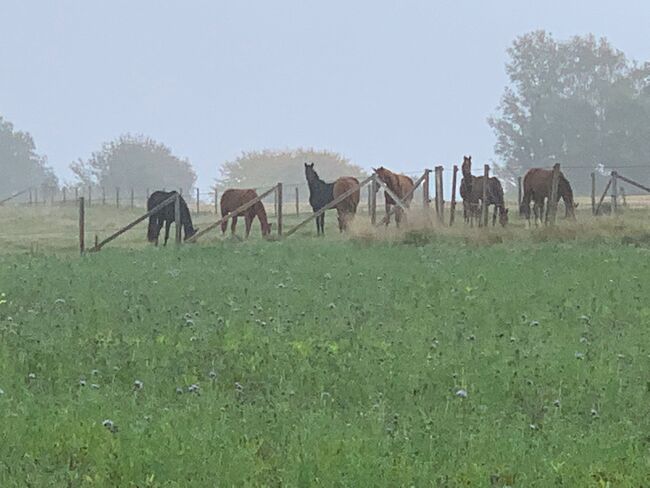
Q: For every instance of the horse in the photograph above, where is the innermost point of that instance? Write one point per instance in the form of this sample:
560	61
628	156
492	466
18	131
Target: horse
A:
471	191
347	208
320	194
401	186
166	215
232	200
537	188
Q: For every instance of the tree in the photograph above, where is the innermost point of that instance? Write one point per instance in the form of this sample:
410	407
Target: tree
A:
20	166
581	103
262	169
135	162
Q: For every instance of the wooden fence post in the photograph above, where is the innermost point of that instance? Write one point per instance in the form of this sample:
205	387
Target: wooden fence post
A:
30	196
177	218
278	194
425	189
297	203
82	222
440	197
452	210
370	190
551	210
275	202
90	194
35	196
103	196
373	200
614	192
117	196
132	198
593	193
52	192
216	201
198	196
76	193
519	193
484	207
64	195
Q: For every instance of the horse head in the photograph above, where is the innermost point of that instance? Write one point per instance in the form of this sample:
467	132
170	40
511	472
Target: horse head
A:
466	167
310	172
266	229
503	216
189	232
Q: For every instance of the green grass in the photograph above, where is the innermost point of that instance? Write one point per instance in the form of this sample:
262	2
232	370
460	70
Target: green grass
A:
337	364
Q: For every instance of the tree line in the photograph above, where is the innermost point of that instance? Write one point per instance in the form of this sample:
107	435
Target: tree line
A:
580	102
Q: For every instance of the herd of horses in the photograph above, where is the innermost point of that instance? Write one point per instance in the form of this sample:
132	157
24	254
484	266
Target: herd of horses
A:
536	186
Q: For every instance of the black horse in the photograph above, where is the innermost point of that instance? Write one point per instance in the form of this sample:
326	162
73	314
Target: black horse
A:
320	194
166	215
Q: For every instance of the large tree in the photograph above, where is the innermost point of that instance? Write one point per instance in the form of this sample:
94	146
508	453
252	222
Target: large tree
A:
259	169
20	166
135	162
581	103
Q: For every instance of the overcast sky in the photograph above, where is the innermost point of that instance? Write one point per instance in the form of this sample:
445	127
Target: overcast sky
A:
407	84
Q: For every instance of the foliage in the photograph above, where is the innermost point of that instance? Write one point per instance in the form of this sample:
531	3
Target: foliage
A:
580	102
326	363
21	167
261	169
135	162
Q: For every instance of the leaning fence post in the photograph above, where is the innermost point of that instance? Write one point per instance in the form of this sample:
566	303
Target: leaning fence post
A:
551	210
452	210
593	193
82	221
484	207
198	196
177	218
279	208
297	203
614	192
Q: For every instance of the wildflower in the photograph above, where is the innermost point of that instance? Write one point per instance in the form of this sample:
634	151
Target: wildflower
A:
533	426
94	372
461	393
534	323
179	390
59	300
471	337
513	339
584	340
2	392
212	374
331	306
328	276
193	388
82	382
137	385
94	386
110	425
556	403
31	376
239	387
579	355
594	412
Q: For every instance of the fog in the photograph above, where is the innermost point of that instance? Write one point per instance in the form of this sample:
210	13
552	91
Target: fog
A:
404	84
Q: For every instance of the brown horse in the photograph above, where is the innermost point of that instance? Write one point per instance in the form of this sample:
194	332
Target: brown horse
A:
232	200
471	191
400	185
347	208
537	188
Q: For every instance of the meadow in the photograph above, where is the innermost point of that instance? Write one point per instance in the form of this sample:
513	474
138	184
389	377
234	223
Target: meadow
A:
464	357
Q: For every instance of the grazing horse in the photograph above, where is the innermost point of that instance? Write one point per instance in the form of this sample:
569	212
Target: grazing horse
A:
166	215
320	194
347	208
401	186
537	188
232	200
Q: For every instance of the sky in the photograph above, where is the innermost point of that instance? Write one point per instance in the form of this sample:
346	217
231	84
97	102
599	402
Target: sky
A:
408	84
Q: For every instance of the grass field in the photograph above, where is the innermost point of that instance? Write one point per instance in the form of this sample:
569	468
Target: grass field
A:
455	358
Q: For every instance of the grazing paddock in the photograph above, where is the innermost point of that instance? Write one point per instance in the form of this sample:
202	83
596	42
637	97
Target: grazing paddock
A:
416	360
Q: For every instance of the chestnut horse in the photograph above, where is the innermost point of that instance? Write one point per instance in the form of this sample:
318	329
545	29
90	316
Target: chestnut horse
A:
537	188
400	185
346	208
232	200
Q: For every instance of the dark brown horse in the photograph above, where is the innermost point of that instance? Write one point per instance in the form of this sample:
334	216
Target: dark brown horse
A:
347	208
232	200
537	188
166	215
471	191
400	185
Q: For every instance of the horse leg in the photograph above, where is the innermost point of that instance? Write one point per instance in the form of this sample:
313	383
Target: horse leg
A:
494	216
340	217
248	221
387	206
168	224
233	225
159	224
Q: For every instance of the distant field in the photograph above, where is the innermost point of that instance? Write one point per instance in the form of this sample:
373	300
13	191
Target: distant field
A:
426	358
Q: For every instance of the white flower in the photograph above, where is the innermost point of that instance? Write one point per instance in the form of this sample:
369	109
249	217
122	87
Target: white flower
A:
533	426
556	403
594	412
212	374
579	355
461	393
471	337
59	300
94	386
534	323
82	382
2	392
179	390
239	387
110	425
31	376
137	385
193	388
94	372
